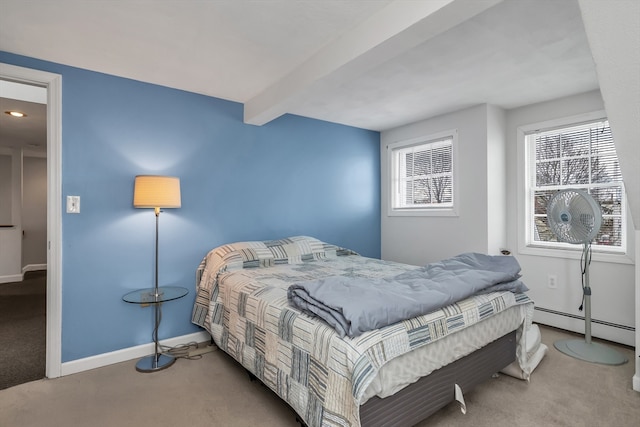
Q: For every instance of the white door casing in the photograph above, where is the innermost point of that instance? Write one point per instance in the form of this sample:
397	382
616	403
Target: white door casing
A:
53	83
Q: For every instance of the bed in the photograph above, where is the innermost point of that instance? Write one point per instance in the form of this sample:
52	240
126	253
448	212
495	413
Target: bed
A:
396	375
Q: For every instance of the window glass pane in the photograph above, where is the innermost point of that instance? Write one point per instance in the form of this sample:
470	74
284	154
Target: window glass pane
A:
610	233
606	169
408	159
601	170
541	200
609	199
542	231
548	173
422	162
602	140
442	159
408	201
575	143
548	147
421	192
442	189
575	171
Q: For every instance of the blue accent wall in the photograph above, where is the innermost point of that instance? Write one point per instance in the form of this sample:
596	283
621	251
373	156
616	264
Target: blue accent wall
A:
293	176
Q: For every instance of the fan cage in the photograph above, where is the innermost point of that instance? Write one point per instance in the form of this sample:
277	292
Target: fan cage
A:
574	216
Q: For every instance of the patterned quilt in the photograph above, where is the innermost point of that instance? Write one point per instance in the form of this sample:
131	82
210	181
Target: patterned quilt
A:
242	301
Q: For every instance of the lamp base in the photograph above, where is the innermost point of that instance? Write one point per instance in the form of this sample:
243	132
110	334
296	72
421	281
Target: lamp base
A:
155	362
590	352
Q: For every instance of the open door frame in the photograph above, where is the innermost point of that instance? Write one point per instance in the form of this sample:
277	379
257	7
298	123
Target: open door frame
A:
53	83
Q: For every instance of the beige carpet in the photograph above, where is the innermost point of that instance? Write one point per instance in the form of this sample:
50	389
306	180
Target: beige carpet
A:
215	391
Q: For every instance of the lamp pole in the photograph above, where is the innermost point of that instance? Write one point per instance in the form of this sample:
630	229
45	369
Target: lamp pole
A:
156	307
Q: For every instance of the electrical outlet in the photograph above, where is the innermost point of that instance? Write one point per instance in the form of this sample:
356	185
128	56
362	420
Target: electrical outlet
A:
552	281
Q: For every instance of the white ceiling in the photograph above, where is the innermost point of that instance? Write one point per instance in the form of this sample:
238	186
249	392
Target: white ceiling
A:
374	64
30	132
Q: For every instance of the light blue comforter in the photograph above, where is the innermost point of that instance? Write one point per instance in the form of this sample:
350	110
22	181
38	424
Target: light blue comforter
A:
353	305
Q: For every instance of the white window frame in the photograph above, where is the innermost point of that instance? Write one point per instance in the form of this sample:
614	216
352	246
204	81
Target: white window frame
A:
392	182
526	177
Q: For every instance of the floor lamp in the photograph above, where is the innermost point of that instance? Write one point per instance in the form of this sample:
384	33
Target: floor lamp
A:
154	191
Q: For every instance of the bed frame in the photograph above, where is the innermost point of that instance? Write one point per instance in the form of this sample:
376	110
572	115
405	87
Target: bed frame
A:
429	394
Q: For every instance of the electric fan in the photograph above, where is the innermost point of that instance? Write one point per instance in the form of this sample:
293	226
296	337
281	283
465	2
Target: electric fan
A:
575	217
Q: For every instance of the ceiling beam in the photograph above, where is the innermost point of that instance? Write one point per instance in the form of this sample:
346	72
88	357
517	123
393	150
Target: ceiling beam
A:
396	28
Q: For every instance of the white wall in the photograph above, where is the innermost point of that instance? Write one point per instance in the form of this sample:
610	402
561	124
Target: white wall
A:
27	191
10	238
5	189
612	282
420	240
496	184
34	213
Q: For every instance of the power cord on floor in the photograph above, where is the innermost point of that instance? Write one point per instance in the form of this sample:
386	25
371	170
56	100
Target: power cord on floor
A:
189	351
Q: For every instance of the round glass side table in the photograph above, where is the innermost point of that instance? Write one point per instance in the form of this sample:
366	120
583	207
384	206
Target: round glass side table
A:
155	297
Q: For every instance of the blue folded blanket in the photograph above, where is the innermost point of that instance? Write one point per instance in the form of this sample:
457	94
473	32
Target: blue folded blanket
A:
354	305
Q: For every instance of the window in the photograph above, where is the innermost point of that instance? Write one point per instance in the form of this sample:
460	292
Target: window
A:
422	176
581	156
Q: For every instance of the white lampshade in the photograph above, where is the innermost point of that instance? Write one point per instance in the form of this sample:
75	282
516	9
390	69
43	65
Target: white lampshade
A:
154	191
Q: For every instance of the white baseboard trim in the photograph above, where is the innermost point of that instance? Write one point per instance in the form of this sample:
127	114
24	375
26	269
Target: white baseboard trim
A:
636	382
12	278
105	359
34	267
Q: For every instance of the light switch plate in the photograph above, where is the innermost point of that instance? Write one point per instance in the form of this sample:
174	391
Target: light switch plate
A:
73	204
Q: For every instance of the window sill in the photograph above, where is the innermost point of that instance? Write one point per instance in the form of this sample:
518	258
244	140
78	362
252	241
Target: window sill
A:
423	212
618	258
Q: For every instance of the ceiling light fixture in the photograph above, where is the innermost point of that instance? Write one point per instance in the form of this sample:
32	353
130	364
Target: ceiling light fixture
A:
15	113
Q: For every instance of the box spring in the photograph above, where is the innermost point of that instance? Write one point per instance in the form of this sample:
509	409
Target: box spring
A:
419	400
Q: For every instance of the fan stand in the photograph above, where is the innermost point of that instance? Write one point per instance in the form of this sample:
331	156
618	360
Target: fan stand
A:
585	349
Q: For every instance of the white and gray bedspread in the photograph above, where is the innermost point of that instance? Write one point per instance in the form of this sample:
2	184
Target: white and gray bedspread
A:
242	301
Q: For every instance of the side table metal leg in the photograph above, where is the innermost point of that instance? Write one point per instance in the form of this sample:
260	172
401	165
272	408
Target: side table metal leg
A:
156	361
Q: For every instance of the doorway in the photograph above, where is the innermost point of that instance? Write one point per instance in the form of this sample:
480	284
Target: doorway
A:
53	84
23	239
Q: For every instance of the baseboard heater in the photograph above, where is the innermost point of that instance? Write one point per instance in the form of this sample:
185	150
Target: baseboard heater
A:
574	316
